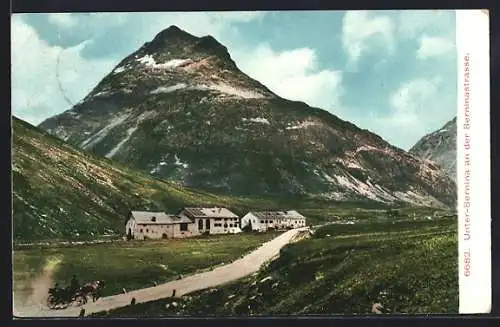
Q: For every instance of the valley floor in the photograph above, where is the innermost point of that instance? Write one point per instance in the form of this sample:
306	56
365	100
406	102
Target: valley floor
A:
220	275
123	265
408	265
403	259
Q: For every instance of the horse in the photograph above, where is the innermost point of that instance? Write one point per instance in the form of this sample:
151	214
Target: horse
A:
93	288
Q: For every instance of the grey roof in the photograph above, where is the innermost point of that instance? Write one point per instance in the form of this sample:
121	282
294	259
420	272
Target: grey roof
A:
157	218
215	212
289	214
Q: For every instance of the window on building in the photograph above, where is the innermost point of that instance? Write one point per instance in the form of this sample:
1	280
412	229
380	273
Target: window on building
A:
207	224
266	221
140	230
184	227
147	230
271	221
200	224
262	221
225	225
230	225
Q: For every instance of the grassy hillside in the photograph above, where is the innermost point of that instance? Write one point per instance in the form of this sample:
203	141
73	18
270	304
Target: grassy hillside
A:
408	265
63	193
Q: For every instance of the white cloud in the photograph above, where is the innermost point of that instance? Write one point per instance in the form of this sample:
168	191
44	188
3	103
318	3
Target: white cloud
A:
36	77
434	46
411	99
416	108
364	32
293	74
63	20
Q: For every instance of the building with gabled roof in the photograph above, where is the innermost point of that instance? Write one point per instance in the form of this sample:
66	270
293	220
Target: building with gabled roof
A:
156	225
214	220
187	222
279	220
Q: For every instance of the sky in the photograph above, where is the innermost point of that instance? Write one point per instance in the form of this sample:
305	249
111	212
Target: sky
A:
391	72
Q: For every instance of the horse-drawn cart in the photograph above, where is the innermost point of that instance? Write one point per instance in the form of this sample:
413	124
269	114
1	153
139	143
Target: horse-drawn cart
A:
63	297
60	297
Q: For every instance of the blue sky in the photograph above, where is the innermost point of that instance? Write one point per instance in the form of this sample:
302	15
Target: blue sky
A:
391	72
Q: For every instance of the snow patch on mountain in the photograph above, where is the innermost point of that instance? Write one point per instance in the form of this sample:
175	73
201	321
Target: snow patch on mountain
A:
101	134
230	90
168	89
101	94
303	124
163	162
150	62
113	151
257	120
178	162
120	69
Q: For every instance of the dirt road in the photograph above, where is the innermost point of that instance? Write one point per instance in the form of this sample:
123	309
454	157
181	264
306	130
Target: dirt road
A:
221	275
35	302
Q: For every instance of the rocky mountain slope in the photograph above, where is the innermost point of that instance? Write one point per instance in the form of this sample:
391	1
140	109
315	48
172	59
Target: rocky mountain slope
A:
180	109
63	193
441	147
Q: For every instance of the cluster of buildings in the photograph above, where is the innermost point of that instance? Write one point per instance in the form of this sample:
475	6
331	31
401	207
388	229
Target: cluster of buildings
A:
190	222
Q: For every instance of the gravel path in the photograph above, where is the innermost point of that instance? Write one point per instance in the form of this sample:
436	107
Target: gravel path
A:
221	275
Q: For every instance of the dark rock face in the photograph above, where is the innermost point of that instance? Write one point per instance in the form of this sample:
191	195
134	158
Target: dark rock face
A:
180	109
441	147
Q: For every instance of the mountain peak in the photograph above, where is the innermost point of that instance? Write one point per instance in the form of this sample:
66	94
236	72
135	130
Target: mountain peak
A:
177	41
440	147
173	32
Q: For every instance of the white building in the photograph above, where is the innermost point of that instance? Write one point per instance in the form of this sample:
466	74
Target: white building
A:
264	220
155	225
213	220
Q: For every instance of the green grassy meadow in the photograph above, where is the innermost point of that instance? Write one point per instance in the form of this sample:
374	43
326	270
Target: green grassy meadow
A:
134	264
407	263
